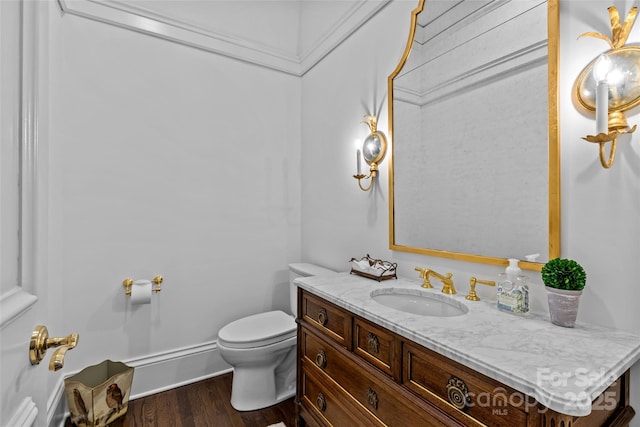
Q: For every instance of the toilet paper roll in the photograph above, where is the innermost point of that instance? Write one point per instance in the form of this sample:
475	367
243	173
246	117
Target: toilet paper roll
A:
141	292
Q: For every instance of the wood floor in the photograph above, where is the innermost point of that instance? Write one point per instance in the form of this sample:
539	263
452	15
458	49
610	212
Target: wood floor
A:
202	404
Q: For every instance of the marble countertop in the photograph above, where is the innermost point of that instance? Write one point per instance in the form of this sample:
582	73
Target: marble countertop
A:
562	368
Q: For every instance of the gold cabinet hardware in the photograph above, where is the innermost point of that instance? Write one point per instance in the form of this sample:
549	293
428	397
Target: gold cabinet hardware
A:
40	343
447	283
321	402
321	359
372	398
322	317
128	283
373	343
472	288
458	393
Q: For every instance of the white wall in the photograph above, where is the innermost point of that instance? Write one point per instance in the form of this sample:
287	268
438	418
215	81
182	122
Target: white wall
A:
600	208
173	161
169	160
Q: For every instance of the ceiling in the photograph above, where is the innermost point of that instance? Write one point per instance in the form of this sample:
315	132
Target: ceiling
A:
286	35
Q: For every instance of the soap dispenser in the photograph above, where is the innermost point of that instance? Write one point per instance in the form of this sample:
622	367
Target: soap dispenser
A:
513	290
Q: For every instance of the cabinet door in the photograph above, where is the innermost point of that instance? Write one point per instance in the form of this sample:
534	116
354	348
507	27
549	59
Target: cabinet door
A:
332	320
329	404
377	346
459	390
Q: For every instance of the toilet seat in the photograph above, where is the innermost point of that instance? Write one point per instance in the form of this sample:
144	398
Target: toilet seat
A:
258	330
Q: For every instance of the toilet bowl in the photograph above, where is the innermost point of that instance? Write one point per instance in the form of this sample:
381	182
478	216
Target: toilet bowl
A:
262	350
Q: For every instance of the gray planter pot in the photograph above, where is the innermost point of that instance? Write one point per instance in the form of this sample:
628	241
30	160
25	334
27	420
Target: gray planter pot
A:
563	306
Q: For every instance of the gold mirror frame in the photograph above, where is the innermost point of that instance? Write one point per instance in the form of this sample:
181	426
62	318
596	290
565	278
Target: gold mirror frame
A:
553	25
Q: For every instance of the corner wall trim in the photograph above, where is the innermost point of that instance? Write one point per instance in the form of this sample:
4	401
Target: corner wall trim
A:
156	373
124	15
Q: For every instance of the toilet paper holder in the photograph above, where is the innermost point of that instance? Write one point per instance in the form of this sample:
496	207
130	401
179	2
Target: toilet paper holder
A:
128	283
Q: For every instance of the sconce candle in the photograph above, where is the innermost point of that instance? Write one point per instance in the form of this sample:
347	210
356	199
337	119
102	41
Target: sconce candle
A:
358	160
600	73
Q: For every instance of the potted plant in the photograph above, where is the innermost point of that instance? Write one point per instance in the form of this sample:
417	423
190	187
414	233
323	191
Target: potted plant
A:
564	280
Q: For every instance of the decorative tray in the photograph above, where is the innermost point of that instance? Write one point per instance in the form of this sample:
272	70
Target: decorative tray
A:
375	269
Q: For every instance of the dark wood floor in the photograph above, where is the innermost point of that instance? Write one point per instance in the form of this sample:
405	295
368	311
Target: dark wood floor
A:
202	404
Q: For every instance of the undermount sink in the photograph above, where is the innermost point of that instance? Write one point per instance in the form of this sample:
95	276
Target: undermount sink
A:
419	302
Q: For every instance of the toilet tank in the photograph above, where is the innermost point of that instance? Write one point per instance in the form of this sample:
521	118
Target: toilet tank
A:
302	270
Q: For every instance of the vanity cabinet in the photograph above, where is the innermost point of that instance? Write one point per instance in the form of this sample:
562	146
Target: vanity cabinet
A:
352	371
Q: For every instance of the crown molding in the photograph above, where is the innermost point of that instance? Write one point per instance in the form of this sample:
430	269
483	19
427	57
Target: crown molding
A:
144	21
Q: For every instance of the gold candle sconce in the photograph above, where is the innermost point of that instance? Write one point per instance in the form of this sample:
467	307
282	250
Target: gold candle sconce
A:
373	151
610	85
128	283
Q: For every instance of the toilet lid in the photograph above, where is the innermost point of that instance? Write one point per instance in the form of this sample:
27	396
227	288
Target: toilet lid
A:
258	330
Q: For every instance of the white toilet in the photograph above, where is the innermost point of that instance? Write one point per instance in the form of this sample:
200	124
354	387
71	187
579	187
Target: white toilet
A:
262	350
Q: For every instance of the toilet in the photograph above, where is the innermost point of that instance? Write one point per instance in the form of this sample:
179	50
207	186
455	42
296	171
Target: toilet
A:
262	350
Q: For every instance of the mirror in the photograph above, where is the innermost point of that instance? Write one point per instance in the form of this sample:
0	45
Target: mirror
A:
474	169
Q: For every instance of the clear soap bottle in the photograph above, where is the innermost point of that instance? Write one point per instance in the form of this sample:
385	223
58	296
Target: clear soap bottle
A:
513	290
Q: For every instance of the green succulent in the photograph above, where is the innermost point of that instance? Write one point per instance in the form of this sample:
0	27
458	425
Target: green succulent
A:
564	274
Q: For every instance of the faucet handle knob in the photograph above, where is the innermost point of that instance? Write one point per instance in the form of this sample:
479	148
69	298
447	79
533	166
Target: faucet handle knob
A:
473	296
424	274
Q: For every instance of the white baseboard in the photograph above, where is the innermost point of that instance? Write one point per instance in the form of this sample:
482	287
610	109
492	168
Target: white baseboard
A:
156	373
25	415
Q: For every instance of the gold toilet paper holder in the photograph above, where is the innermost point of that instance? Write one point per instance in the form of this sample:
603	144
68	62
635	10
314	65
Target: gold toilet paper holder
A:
128	283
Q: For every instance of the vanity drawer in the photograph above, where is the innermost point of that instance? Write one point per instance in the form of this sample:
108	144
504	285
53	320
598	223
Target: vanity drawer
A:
328	404
447	383
373	390
330	319
377	346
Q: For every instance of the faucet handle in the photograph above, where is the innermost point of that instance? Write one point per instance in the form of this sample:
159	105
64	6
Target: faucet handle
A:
472	285
424	274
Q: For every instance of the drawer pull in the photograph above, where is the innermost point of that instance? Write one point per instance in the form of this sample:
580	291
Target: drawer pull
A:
322	316
458	393
372	397
373	343
321	359
321	402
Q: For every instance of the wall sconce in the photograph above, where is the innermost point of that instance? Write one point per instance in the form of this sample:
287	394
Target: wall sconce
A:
610	84
373	151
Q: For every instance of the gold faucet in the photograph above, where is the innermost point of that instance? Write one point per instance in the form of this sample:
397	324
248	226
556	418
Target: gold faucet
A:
423	275
40	343
447	283
472	285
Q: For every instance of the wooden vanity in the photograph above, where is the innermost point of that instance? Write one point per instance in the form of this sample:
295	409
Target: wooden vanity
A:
352	371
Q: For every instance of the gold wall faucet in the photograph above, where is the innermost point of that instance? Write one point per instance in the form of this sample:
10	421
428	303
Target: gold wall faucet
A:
472	285
447	283
40	343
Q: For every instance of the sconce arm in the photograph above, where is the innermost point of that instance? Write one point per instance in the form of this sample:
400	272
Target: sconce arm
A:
603	138
371	176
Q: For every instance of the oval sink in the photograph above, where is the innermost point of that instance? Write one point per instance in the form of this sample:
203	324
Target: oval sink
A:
419	302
